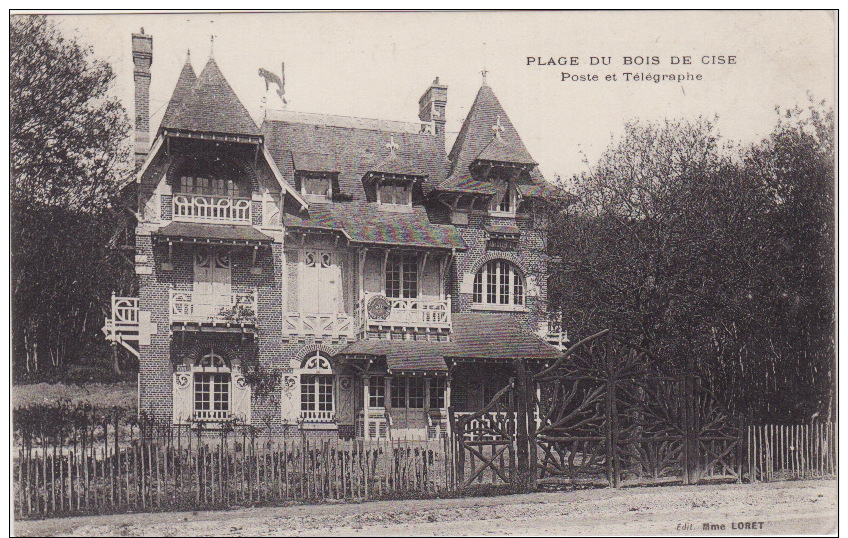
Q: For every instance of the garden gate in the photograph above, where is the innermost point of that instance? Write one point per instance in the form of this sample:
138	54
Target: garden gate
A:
603	414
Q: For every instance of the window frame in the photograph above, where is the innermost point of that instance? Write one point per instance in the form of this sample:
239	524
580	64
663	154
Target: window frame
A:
401	276
376	392
306	179
317	380
218	368
503	288
438	391
510	196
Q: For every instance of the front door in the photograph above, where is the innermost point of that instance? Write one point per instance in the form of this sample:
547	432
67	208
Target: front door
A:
212	281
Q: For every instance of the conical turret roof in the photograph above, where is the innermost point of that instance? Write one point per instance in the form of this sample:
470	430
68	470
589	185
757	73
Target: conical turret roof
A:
487	134
184	85
211	106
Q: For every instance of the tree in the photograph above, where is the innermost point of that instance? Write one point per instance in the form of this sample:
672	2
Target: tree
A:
69	158
689	251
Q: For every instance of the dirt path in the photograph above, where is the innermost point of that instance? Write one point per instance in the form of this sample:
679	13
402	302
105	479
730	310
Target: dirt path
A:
783	508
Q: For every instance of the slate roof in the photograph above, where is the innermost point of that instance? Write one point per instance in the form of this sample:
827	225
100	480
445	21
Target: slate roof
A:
477	140
313	162
211	106
404	355
499	151
396	166
476	335
354	151
502	229
220	232
184	85
365	223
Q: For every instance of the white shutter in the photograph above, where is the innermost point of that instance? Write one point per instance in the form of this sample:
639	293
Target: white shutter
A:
183	397
344	408
241	398
290	400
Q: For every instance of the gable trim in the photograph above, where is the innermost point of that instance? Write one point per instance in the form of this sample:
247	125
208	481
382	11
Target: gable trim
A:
281	180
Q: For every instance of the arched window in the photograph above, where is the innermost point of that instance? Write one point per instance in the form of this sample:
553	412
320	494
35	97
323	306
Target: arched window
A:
317	383
212	378
499	282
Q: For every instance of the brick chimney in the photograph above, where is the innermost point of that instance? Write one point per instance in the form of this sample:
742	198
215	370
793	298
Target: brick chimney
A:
431	107
142	53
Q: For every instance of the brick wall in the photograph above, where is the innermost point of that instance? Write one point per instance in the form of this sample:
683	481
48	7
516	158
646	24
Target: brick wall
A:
528	256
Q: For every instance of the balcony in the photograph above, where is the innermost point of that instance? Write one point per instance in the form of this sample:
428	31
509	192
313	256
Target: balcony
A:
318	325
215	209
127	325
234	309
383	312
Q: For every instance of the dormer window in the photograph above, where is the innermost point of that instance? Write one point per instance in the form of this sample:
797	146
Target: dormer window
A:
505	200
395	194
316	187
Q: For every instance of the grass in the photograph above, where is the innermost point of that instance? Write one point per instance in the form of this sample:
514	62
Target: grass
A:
122	394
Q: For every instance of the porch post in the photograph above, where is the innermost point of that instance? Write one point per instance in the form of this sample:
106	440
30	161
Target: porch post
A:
448	391
366	385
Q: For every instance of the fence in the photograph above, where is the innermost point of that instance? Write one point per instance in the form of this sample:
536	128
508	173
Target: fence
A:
191	472
83	461
781	452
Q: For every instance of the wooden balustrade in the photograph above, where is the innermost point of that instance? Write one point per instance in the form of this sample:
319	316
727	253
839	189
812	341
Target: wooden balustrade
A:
207	208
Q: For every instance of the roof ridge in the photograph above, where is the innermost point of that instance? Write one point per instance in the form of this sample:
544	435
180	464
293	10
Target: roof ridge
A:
351	122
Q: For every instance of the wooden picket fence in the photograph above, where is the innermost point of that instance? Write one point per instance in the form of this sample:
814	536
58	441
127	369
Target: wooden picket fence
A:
784	452
187	472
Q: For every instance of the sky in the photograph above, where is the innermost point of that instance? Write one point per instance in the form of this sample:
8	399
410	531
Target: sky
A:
377	65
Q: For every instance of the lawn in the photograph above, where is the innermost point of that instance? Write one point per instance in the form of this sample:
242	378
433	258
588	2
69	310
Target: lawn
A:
123	394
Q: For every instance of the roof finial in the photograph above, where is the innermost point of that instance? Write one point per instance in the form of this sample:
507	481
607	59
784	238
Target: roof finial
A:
484	72
498	128
211	46
188	55
392	146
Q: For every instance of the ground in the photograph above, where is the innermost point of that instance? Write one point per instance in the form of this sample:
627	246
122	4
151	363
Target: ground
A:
802	507
98	394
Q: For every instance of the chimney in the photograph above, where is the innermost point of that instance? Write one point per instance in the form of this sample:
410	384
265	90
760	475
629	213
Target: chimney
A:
142	53
431	107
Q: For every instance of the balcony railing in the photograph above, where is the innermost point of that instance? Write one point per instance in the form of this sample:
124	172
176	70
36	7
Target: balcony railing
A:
233	308
207	208
303	324
406	313
318	416
124	324
211	415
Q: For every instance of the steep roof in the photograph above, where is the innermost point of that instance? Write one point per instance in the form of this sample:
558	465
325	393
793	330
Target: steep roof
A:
486	134
352	147
365	223
211	107
184	85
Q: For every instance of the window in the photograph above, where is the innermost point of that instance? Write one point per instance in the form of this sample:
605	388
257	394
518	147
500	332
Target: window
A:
316	393
504	201
377	392
503	284
416	393
316	186
398	392
437	393
208	186
316	389
490	389
211	395
211	387
395	194
402	276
